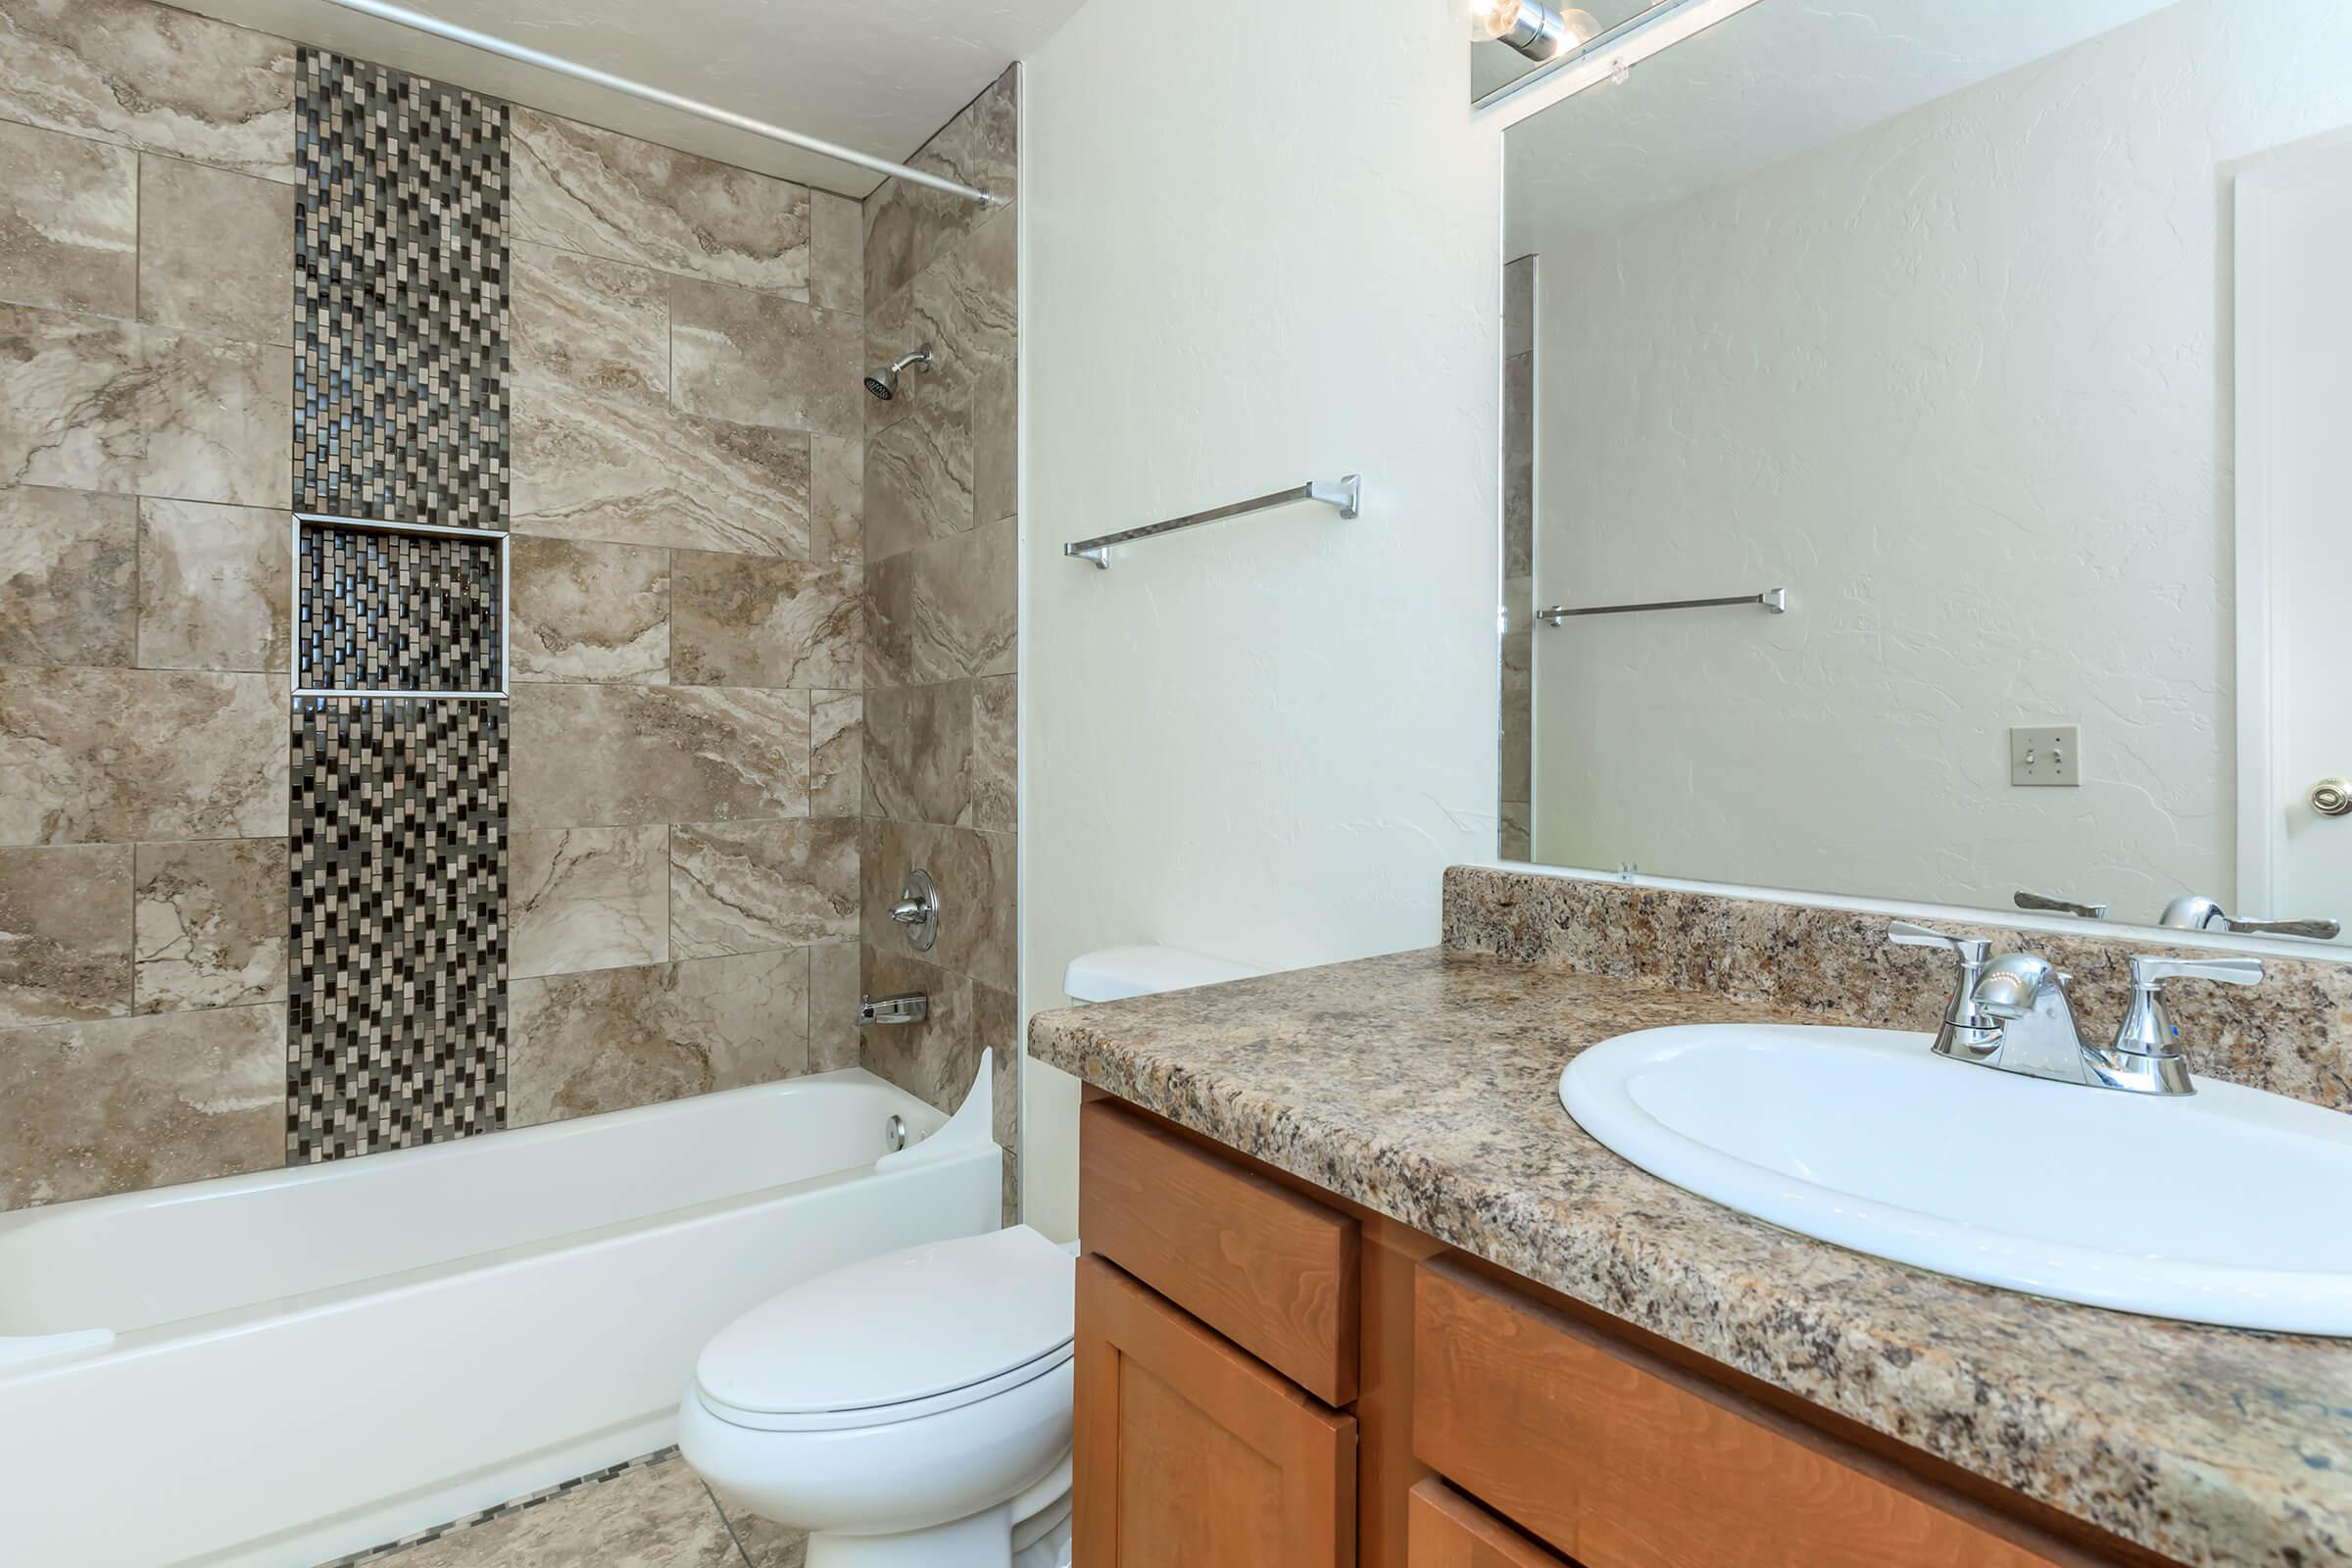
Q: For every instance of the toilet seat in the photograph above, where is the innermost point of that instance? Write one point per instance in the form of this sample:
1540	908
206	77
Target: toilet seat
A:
896	1337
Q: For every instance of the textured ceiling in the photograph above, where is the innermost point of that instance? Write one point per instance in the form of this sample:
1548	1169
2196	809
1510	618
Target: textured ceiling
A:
877	77
1763	86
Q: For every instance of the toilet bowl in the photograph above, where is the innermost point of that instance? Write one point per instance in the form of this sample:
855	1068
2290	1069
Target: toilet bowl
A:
912	1409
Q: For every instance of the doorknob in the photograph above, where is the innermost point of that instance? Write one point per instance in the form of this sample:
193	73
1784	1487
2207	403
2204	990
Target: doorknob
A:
2332	796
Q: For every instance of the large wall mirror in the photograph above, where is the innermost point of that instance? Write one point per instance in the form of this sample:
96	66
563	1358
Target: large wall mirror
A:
1994	362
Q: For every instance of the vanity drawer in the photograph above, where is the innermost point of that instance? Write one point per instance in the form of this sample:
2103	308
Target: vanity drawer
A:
1446	1529
1267	1267
1623	1460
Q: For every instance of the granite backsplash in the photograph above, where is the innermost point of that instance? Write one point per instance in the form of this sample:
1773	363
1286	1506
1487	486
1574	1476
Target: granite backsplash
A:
2290	1035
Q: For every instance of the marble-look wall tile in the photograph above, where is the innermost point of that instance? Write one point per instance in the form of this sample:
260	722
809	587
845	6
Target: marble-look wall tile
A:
146	75
215	586
126	755
589	613
72	397
836	754
1519	466
616	1038
975	872
68	222
1518	711
597	327
587	897
220	420
837	252
918	752
963	304
836	499
1514	834
633	474
937	1059
996	443
835	987
918	473
211	923
216	251
64	934
996	740
752	887
69	578
757	360
92	404
909	226
623	756
944	611
740	621
1519	307
600	193
124	1104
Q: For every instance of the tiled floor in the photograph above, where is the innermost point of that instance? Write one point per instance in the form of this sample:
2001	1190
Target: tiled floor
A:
655	1515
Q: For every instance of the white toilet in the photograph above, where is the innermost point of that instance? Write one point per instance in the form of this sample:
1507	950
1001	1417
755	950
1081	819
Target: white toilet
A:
913	1410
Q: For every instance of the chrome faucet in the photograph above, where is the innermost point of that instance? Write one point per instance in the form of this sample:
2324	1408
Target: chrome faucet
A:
2013	1014
2194	912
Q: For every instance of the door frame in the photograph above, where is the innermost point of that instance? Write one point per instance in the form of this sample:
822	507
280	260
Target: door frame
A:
2257	188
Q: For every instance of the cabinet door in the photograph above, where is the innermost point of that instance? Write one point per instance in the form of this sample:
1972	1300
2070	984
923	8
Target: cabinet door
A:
1190	1452
1446	1529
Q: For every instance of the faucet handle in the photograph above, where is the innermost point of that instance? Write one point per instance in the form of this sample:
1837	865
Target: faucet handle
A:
2149	971
1973	950
2147	1044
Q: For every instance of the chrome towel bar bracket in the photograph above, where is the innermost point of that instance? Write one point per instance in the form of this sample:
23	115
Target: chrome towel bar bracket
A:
1775	600
1347	493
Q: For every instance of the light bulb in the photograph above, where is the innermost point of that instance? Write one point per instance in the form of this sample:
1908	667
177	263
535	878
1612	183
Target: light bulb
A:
1490	19
1530	27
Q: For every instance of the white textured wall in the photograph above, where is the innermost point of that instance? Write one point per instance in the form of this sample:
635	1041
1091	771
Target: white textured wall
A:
1961	382
1262	246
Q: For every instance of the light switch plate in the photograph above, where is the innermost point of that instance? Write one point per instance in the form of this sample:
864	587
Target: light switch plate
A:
2046	757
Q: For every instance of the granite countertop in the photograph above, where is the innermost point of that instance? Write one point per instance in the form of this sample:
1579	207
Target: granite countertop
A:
1424	1086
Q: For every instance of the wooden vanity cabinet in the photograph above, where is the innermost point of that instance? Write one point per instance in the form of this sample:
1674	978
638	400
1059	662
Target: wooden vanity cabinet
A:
1191	1451
1446	1529
1268	1377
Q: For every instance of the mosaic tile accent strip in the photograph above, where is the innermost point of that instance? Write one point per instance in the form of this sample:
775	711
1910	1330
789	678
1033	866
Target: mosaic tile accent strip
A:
484	1516
399	299
397	1015
396	611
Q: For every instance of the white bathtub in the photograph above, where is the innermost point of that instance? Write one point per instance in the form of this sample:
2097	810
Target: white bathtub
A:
282	1368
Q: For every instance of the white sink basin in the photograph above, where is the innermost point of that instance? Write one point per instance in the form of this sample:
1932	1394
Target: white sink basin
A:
2226	1206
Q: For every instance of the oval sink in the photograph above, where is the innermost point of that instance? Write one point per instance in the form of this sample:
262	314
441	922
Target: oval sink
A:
2225	1206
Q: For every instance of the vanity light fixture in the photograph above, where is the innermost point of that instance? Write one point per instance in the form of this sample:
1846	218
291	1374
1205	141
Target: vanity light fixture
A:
1530	27
1606	54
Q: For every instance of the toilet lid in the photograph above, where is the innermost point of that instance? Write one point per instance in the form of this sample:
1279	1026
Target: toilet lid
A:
903	1327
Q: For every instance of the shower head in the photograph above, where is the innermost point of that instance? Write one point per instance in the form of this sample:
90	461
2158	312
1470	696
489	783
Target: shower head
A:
883	379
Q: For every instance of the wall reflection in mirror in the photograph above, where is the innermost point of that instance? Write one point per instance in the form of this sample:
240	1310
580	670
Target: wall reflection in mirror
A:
2012	342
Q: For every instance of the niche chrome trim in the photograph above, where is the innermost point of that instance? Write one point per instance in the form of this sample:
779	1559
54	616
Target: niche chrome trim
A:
505	598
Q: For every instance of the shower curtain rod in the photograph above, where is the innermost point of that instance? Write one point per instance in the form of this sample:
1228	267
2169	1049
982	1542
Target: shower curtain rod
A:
401	16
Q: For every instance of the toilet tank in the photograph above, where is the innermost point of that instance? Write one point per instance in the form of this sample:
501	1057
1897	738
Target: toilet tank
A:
1115	973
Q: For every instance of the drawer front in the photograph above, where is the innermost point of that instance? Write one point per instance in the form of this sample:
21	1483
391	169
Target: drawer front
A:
1265	1266
1446	1529
1622	1460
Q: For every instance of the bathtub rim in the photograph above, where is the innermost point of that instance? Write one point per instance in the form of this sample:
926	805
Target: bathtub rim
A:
49	1352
